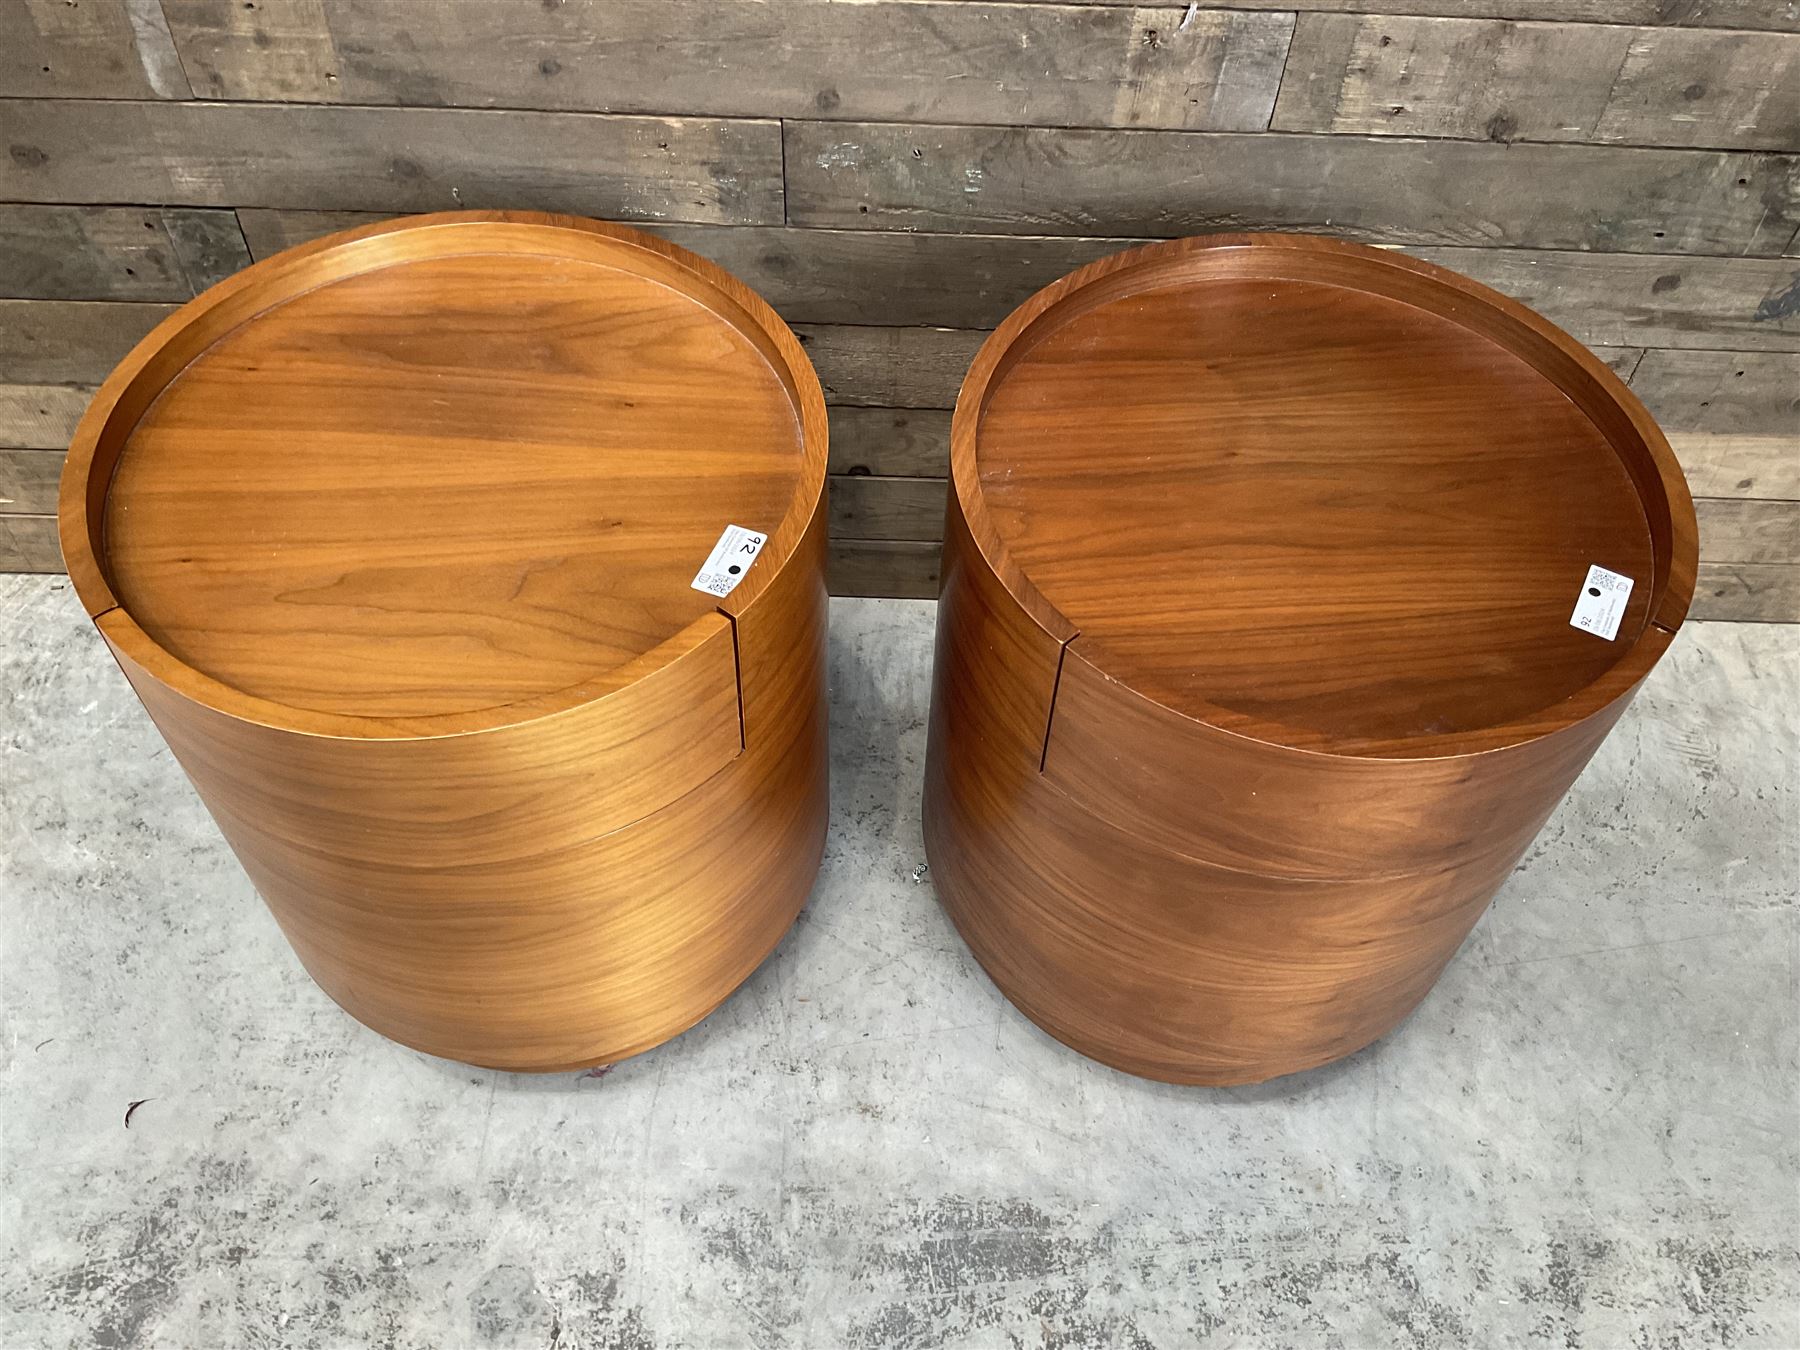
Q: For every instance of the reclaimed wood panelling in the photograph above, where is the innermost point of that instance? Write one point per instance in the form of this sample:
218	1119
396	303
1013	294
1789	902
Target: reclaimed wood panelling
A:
892	567
28	544
88	48
1038	180
1388	75
1625	300
1733	418
69	341
975	281
1748	592
865	507
28	481
41	416
1769	15
1722	392
890	367
891	442
391	159
900	60
941	162
116	252
1748	531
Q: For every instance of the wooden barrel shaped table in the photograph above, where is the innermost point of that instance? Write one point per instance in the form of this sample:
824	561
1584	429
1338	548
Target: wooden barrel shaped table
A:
1288	584
472	566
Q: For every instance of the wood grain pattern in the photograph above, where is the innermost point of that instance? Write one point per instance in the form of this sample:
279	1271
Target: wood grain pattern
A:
889	367
1749	592
89	48
69	341
115	252
894	442
1645	300
903	569
1071	66
1392	75
41	416
1151	184
1203	872
28	544
391	159
1749	531
516	793
865	507
1721	392
28	482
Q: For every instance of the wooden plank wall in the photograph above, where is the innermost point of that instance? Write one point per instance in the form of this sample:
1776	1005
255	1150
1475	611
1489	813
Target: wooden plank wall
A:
895	175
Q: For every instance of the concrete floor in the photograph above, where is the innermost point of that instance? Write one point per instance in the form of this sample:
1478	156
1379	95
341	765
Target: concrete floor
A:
1586	1138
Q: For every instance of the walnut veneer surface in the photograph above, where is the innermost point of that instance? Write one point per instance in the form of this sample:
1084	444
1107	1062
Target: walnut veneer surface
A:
1255	666
394	533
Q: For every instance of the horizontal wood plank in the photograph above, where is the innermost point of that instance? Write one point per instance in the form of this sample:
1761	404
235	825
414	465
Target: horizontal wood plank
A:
116	252
1748	592
28	544
88	48
391	159
877	278
1390	75
1720	465
1722	392
1748	531
1767	15
904	60
866	507
1051	181
1625	300
41	416
890	442
69	341
890	367
898	568
28	481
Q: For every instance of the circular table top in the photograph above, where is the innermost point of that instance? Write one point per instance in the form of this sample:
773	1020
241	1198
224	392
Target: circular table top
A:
1325	510
453	465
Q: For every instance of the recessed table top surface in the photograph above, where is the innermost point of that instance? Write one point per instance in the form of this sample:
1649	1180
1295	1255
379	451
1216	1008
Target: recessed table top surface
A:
450	481
1312	512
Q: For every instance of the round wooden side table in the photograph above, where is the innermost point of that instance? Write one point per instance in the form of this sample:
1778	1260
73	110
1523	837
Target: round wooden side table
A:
472	566
1288	584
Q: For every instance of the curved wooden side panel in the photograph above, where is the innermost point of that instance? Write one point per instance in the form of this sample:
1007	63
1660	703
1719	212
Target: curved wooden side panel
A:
524	898
477	797
1171	968
1220	798
1158	964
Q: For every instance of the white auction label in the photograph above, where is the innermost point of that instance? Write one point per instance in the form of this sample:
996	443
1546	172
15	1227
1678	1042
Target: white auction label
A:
1601	603
730	559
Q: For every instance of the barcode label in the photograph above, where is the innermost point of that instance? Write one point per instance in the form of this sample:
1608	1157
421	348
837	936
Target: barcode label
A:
1601	603
730	559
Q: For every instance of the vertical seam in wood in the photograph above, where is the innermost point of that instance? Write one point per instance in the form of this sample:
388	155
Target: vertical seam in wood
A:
1062	654
1287	54
737	675
175	46
781	124
237	220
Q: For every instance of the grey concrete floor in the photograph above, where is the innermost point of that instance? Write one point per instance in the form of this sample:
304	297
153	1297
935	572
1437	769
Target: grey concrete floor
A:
1587	1137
